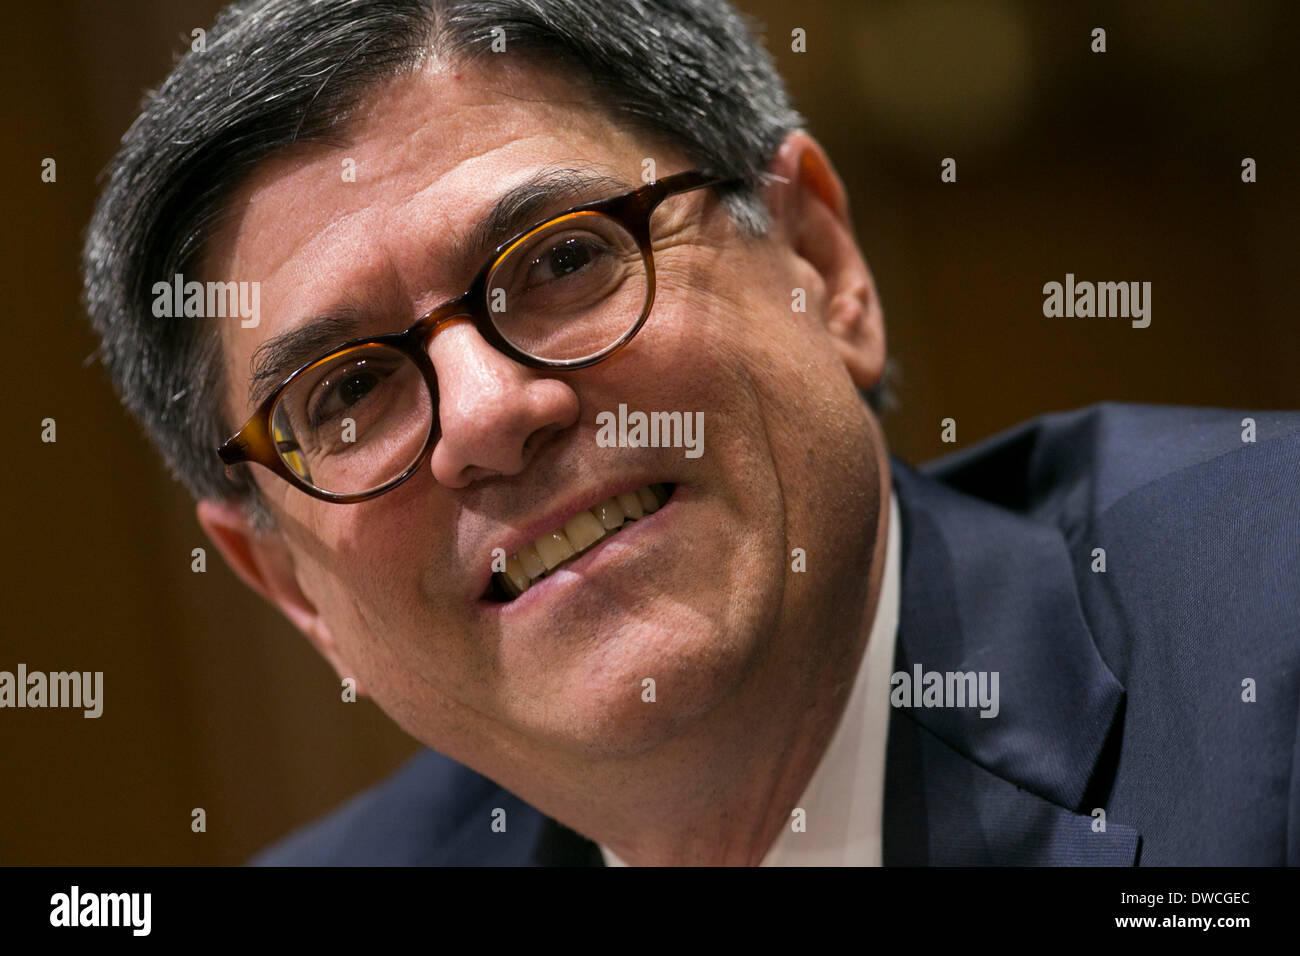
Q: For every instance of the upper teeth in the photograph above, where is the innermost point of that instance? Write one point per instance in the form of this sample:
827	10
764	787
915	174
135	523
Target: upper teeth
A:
579	533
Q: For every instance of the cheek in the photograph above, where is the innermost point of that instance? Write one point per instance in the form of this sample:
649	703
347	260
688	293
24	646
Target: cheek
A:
753	295
365	567
398	640
754	323
775	375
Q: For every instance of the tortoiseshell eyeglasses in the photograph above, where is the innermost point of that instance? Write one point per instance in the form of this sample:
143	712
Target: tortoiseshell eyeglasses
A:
565	293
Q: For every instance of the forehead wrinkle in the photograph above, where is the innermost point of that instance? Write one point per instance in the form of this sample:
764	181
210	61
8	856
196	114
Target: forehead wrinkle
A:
435	126
437	119
292	185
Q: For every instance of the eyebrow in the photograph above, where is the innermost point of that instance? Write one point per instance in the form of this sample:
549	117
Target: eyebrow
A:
522	205
516	209
275	359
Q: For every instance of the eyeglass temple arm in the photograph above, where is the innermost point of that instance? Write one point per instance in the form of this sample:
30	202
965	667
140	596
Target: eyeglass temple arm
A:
692	179
252	443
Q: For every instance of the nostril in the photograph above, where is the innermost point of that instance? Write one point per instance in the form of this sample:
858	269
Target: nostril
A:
538	437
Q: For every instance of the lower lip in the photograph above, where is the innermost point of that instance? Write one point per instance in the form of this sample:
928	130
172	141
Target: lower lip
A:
591	560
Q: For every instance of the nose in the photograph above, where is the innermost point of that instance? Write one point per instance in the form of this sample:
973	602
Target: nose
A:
494	413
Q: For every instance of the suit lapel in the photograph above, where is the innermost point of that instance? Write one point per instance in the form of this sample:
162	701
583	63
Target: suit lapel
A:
987	590
943	809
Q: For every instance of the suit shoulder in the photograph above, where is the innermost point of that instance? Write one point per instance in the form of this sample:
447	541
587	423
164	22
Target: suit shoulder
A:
1138	445
417	816
1068	467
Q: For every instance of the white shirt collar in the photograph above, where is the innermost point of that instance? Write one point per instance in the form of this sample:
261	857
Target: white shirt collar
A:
843	803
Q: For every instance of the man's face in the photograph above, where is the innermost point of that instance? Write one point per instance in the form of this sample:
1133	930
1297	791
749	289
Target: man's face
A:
698	596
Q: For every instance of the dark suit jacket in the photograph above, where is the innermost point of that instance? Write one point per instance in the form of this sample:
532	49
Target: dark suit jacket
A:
1121	690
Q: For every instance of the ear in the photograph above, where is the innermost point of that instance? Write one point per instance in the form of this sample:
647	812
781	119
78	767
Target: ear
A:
811	209
263	561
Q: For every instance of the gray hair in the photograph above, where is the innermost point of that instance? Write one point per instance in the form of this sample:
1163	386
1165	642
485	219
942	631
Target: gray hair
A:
277	72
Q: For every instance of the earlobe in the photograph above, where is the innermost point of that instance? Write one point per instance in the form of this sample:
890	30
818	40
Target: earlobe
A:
812	206
263	561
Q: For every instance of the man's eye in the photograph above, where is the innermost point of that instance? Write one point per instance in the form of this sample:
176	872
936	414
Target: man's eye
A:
563	258
336	396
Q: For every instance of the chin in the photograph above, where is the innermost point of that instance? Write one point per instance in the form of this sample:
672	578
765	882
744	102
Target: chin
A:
597	702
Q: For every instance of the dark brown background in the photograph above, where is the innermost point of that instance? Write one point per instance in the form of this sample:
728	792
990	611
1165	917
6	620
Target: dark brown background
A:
1122	166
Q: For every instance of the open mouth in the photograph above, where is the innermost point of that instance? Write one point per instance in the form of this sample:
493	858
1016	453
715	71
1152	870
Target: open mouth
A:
580	534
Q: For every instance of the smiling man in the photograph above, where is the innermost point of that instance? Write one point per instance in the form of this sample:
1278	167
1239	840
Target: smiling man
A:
482	231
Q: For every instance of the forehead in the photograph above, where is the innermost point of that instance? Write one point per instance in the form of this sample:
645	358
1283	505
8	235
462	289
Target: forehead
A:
374	221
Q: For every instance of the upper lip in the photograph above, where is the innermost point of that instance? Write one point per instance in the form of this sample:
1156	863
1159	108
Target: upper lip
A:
552	519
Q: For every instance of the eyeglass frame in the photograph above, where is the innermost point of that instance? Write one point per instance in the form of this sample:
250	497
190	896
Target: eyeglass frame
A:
254	442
